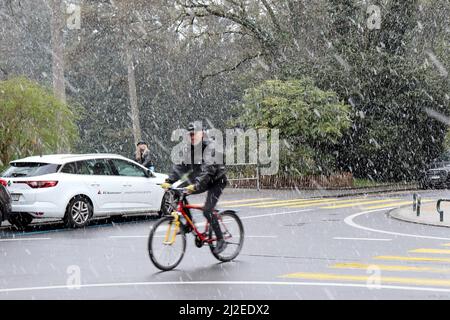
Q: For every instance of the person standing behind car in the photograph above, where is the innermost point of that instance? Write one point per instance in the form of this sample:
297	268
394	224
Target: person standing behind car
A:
143	155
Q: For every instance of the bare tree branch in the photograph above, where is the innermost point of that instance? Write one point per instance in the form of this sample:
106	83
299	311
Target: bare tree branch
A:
229	69
271	14
205	10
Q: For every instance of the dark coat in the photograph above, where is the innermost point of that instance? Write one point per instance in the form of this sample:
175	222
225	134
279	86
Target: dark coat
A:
146	159
203	174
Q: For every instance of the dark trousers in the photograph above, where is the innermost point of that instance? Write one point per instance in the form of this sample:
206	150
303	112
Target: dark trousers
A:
212	198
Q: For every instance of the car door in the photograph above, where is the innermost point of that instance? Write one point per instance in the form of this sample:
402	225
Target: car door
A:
140	189
104	185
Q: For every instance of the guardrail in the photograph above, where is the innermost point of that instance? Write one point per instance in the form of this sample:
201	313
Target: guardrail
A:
438	207
417	201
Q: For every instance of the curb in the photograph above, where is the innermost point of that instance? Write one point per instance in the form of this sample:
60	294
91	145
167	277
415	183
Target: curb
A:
392	214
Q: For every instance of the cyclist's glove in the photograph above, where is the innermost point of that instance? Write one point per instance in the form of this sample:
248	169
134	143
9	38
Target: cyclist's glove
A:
166	185
190	188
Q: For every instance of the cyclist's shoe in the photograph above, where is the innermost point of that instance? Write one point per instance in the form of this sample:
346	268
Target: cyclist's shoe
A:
187	228
220	246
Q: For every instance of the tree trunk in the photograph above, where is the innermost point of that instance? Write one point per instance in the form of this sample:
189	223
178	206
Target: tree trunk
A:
132	93
59	87
58	50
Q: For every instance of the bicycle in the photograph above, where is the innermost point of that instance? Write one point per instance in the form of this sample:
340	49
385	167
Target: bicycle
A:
167	237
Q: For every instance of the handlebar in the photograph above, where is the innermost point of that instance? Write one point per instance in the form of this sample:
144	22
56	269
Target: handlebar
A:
179	190
182	190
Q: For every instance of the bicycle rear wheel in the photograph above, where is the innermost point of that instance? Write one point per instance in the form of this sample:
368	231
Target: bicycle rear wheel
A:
233	233
166	244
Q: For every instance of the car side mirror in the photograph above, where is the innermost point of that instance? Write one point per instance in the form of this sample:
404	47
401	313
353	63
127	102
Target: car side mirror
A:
149	174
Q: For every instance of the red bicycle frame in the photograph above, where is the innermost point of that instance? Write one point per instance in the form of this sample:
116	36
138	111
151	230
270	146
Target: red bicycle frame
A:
202	236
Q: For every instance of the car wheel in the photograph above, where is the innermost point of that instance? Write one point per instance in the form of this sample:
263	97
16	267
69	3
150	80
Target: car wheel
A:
20	220
168	204
78	212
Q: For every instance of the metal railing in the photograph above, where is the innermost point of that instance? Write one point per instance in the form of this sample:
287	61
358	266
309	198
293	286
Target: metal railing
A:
257	176
439	210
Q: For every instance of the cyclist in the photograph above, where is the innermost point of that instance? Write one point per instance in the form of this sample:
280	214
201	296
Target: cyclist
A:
202	176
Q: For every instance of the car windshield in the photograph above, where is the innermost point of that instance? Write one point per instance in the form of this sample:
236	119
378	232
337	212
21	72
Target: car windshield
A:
29	169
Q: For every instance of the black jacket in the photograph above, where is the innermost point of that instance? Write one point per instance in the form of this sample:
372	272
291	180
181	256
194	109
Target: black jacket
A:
146	159
202	174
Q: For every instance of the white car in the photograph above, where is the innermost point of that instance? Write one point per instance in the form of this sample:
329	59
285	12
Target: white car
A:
78	187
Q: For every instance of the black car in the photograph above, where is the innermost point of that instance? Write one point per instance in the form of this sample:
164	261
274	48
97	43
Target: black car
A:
5	203
437	174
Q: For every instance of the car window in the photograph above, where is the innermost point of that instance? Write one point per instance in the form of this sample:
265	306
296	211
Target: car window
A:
84	168
96	167
30	169
70	168
125	168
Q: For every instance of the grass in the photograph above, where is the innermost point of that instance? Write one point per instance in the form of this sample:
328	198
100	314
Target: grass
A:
367	183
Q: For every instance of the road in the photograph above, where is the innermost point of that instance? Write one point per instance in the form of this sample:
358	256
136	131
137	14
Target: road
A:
295	248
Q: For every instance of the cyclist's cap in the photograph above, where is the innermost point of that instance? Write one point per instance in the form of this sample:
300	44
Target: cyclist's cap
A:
195	126
141	143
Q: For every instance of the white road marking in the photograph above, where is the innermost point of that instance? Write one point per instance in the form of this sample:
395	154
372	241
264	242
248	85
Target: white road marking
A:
227	283
272	237
202	224
131	237
24	239
349	221
361	239
127	237
274	214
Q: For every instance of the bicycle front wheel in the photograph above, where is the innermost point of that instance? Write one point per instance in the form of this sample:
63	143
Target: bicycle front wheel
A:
166	244
233	234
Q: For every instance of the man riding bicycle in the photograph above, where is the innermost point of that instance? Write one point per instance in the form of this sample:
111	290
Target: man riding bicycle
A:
203	175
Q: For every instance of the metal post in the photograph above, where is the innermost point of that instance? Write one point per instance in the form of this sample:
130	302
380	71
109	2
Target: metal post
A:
258	186
439	210
414	202
419	201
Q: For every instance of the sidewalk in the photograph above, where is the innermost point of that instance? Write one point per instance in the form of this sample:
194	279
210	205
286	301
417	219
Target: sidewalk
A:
428	214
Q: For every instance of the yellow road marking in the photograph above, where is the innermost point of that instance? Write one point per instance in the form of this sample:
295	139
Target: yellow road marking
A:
365	278
392	204
270	202
290	204
245	200
438	251
358	203
402	258
388	267
331	202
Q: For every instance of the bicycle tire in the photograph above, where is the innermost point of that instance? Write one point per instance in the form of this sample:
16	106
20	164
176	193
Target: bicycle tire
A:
152	238
238	221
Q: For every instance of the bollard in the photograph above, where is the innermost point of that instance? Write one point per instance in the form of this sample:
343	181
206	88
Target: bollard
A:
419	202
438	208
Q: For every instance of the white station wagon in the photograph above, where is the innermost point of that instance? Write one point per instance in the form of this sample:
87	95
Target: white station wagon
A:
78	187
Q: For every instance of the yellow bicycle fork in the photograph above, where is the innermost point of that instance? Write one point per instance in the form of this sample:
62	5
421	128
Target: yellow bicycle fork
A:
172	234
